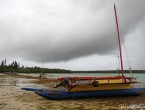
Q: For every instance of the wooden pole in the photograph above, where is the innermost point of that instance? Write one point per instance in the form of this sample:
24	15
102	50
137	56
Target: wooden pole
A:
119	41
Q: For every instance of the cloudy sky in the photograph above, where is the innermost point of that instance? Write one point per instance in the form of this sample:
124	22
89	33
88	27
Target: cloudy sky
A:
72	34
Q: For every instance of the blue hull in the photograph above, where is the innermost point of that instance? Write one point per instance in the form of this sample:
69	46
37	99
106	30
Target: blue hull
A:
42	89
91	94
31	89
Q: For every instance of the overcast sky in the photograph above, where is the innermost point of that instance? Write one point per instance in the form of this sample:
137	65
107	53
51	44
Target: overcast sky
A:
72	34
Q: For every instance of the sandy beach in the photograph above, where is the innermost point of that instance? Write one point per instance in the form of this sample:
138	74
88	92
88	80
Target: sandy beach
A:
13	98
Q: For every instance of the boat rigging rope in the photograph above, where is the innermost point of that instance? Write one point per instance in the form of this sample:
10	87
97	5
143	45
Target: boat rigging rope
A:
125	50
118	70
73	95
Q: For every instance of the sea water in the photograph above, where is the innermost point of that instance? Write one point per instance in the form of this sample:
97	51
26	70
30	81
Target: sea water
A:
140	77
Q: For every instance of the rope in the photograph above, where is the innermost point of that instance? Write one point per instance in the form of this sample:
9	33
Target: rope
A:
130	70
73	95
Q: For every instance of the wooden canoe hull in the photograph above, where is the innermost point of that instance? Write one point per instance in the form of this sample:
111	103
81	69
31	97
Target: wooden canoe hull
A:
100	87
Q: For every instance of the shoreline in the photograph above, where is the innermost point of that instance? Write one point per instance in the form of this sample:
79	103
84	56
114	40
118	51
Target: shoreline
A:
13	98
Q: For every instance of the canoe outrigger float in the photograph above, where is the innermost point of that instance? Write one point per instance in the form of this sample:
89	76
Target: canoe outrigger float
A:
88	87
91	94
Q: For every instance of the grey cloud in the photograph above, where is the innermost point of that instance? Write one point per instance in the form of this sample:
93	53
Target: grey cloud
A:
61	30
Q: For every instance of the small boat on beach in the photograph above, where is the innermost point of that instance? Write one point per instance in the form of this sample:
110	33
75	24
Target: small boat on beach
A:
90	87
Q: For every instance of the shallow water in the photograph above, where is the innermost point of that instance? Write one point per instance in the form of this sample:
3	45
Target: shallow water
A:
9	81
19	82
140	76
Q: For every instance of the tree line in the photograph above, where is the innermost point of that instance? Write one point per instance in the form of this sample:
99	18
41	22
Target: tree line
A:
14	67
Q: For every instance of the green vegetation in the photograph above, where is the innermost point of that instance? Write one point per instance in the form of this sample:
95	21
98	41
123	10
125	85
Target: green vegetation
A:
68	108
52	107
15	67
42	108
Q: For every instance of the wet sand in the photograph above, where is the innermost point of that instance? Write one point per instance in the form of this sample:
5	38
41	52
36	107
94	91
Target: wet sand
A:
13	98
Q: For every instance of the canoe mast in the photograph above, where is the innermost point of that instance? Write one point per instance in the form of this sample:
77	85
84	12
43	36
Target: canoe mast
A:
119	41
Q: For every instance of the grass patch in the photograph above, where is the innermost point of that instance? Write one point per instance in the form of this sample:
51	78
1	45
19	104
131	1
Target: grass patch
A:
47	107
42	108
25	100
67	108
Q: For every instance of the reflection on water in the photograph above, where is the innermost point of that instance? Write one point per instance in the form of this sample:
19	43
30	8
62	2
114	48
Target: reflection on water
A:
20	82
9	81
